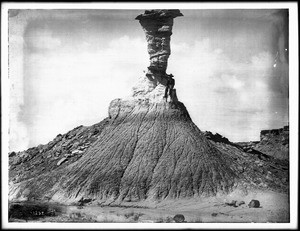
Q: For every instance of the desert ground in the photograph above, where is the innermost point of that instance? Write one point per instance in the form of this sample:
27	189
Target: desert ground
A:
274	208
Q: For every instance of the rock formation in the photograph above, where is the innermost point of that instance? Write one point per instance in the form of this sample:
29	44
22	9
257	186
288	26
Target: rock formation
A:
274	142
147	149
158	25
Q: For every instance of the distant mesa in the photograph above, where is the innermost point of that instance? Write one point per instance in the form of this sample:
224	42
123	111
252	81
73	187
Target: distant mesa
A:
273	142
279	131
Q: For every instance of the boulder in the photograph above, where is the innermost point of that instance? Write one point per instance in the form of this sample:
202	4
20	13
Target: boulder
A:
179	218
254	204
232	203
239	203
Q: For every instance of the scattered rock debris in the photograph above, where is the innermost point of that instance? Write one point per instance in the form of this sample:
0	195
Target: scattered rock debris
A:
232	203
240	203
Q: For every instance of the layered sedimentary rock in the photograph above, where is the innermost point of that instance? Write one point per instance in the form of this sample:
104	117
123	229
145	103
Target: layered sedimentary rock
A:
145	150
158	25
273	142
149	149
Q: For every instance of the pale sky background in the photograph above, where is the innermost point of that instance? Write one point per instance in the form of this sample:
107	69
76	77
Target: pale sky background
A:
65	66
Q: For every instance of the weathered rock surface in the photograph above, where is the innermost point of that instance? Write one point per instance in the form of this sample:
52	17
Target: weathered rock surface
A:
146	149
157	25
273	143
256	169
46	158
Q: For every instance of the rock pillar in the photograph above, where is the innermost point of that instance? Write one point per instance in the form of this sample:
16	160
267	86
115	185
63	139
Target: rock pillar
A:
157	25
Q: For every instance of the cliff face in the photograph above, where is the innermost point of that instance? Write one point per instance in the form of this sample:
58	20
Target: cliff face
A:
273	143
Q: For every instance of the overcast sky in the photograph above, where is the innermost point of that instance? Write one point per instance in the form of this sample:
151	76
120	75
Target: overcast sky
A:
230	66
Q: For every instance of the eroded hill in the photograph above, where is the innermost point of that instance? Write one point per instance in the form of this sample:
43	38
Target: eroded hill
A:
146	149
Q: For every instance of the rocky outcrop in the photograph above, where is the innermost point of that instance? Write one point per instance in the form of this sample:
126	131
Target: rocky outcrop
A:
61	151
274	142
217	137
157	25
283	132
255	169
